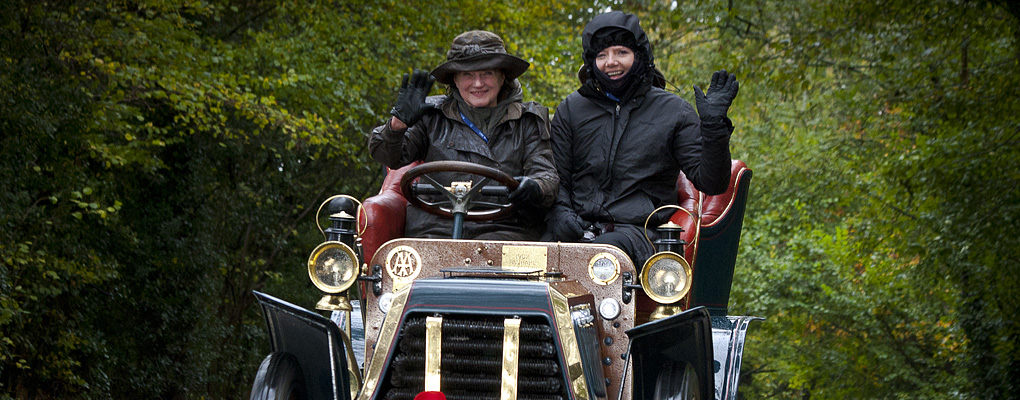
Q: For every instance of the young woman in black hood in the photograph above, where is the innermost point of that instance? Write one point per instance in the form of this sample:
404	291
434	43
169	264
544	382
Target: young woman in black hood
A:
620	141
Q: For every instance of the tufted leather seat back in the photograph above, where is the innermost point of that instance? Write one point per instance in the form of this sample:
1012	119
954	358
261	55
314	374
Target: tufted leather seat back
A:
385	213
713	254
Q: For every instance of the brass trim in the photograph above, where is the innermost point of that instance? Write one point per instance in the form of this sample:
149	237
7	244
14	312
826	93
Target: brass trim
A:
332	302
382	348
525	258
689	274
664	311
565	331
511	352
460	187
361	211
433	353
604	256
353	371
733	197
313	259
696	219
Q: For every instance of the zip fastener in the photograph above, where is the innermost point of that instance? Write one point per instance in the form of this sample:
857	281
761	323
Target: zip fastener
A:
612	149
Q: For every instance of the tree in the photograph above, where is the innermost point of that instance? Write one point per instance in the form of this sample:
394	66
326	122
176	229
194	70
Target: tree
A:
884	152
160	160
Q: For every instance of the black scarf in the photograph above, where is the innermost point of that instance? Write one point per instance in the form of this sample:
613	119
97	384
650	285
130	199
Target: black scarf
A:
620	87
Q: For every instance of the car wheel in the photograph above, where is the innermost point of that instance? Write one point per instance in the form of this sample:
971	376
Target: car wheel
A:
279	378
677	381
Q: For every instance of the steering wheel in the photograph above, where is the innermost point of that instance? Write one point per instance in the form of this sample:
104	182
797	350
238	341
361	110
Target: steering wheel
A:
459	199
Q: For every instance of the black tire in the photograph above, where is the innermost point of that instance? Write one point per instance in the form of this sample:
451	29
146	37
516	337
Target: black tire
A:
677	381
279	378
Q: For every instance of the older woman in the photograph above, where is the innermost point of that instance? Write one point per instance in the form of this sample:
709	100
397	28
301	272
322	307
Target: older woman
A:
620	140
482	120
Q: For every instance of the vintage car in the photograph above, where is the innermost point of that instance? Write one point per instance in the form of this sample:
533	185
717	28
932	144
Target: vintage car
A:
467	319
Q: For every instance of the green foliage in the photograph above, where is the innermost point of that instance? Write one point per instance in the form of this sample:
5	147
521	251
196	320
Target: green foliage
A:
884	146
884	143
159	160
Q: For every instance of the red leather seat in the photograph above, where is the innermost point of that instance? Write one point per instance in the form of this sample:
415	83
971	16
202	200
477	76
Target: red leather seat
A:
383	219
713	255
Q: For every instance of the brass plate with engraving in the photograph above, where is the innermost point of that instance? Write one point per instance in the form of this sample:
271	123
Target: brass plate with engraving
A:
525	258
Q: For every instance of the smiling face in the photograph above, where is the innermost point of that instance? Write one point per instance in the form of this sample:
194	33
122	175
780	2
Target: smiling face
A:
479	88
615	61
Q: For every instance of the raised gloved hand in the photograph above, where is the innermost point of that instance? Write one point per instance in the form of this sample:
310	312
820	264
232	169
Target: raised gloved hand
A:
527	193
721	93
411	105
566	225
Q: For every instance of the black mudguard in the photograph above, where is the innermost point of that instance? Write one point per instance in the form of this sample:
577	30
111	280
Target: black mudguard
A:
660	346
314	341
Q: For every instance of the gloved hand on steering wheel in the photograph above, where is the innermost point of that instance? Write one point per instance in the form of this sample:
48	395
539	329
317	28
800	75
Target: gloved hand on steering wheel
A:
721	93
410	105
528	192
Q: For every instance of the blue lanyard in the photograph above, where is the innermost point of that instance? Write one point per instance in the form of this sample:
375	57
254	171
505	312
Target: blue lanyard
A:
474	128
610	95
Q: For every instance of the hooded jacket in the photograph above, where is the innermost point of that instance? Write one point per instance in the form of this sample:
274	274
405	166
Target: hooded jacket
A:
619	161
519	145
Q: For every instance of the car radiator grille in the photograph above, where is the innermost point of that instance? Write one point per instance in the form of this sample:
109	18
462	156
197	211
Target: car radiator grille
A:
472	360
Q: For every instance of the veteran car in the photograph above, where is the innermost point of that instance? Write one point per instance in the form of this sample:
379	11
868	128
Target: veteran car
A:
405	318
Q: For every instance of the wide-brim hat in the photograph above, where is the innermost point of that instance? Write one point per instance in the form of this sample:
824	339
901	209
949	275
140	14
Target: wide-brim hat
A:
478	50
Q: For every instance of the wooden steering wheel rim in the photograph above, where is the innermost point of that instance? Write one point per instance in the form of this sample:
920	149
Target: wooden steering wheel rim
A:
462	167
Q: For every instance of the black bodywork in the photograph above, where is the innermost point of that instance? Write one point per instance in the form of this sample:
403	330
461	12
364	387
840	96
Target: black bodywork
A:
316	344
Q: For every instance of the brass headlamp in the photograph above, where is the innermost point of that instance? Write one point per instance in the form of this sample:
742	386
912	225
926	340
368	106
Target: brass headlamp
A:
666	276
333	266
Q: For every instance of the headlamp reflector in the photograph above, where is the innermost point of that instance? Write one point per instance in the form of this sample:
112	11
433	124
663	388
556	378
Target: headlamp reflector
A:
332	267
666	277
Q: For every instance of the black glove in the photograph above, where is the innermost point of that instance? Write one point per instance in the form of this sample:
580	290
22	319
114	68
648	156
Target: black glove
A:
527	193
721	93
410	105
566	226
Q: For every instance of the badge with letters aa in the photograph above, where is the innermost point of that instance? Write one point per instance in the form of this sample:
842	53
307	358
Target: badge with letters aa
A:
403	264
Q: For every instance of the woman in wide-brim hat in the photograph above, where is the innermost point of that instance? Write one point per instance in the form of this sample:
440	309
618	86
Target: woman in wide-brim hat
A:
482	119
478	50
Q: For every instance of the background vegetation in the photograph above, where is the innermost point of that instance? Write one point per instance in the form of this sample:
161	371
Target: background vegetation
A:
160	159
